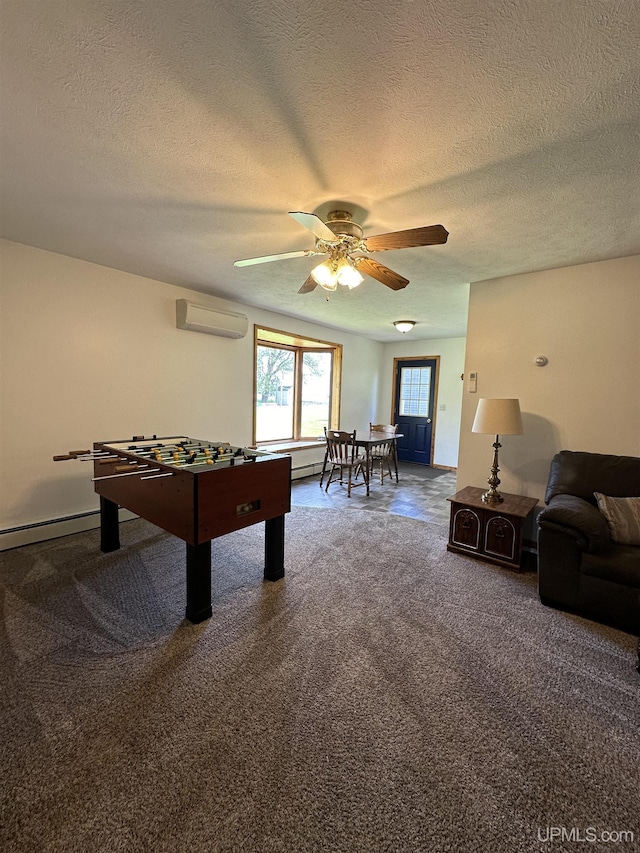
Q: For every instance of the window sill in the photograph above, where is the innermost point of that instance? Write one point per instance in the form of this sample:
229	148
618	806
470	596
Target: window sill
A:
291	446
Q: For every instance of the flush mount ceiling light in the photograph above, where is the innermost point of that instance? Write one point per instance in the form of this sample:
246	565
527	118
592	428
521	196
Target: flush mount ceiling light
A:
404	326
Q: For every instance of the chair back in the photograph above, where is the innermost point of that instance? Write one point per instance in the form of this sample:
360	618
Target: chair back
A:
392	429
341	446
385	449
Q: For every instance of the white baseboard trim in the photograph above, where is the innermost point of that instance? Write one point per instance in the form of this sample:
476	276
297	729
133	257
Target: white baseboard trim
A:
54	528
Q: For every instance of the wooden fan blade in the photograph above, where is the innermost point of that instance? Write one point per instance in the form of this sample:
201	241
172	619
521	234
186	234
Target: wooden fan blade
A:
430	235
314	224
263	260
381	273
308	286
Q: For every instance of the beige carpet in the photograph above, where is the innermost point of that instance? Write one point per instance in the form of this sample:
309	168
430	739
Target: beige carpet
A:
384	696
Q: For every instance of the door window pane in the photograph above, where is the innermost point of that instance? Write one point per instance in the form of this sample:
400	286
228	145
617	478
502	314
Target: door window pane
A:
415	386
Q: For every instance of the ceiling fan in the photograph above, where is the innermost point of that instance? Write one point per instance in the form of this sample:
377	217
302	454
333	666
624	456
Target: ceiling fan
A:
341	239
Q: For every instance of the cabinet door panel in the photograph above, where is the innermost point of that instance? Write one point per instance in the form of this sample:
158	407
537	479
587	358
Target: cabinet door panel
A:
500	538
465	528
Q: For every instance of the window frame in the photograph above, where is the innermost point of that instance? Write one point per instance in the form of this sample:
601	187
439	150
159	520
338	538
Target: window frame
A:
298	344
416	401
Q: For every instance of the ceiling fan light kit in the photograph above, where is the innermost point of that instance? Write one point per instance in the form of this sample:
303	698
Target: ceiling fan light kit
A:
349	275
325	276
341	238
335	271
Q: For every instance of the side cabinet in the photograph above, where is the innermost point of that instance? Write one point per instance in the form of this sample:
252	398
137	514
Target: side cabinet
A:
490	532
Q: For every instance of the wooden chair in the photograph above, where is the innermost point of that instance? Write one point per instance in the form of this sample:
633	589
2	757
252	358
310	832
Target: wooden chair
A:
385	455
342	456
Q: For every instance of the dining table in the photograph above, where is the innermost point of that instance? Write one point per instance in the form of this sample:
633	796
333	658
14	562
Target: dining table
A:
367	441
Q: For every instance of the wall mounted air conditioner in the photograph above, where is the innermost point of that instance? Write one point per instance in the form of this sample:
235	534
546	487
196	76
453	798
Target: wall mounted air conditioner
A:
199	318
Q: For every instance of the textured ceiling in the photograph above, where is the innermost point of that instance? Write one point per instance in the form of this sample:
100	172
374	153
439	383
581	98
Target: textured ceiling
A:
169	138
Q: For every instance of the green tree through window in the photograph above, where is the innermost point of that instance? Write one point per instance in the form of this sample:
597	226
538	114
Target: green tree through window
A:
296	383
273	366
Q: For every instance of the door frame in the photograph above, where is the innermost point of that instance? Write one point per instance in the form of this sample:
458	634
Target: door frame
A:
394	388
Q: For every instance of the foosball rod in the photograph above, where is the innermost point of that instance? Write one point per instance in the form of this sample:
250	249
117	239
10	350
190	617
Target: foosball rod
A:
85	456
124	474
90	457
157	476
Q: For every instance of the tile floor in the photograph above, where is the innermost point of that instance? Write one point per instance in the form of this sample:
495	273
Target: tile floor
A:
421	493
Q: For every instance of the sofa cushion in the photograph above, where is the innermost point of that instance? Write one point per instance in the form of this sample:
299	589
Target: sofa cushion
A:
574	472
620	565
623	517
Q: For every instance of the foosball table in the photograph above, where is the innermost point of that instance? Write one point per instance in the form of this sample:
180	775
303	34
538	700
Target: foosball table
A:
197	490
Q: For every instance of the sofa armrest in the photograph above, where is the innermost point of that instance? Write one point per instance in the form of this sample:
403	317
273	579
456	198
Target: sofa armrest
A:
580	519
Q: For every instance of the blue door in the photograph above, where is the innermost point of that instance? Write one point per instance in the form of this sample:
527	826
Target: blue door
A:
415	386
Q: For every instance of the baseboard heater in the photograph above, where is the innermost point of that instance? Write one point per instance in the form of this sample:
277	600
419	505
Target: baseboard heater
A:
200	318
306	470
61	519
54	528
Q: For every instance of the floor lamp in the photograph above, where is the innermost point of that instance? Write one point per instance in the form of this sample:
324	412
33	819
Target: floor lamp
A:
497	417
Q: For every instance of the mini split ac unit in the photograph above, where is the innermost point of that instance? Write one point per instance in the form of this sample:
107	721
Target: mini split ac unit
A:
199	318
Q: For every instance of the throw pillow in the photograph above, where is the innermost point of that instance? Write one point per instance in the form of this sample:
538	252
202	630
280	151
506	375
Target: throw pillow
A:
623	518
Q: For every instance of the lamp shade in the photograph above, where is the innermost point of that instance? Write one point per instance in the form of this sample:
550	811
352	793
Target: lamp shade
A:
498	417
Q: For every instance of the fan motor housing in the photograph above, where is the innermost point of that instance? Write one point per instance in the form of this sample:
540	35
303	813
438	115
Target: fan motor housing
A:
340	222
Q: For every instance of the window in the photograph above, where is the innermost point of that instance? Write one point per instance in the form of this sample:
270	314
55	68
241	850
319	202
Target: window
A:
297	386
415	387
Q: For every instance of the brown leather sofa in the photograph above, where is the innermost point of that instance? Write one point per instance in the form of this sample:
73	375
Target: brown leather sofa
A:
580	567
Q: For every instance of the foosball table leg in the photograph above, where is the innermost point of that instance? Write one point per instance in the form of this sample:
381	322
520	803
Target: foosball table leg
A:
109	532
199	582
274	548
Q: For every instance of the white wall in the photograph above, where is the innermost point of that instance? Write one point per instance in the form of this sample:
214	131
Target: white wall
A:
446	421
586	320
89	353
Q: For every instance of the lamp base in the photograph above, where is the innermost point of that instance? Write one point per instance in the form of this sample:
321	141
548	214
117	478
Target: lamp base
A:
493	496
